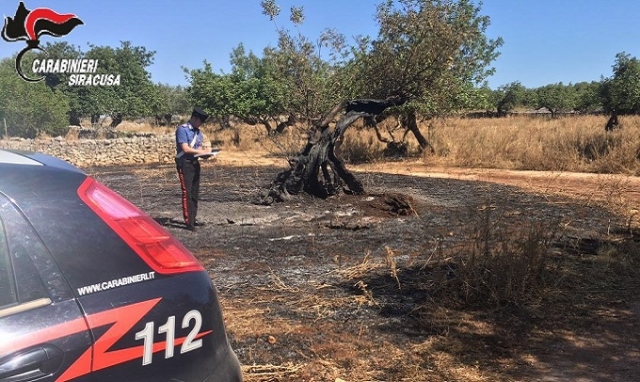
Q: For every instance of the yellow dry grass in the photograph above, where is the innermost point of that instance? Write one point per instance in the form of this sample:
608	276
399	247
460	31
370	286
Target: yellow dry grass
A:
575	143
570	143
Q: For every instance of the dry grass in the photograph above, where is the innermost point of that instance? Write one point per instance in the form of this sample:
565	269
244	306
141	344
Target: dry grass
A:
574	143
499	264
133	127
460	347
577	143
570	143
354	356
269	373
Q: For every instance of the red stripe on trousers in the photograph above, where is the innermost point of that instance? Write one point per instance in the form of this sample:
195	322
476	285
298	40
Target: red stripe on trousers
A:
183	186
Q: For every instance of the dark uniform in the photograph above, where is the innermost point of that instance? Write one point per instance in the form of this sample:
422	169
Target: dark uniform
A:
189	168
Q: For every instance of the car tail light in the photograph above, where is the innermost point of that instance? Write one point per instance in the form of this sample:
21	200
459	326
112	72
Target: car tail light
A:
152	242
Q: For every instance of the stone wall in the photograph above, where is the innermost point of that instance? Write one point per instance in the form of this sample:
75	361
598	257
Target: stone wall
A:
134	149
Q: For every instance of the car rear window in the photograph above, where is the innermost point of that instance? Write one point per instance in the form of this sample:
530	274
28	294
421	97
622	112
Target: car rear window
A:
29	281
7	284
23	261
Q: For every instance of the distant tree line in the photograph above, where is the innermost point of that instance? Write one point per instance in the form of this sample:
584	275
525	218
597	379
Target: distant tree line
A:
619	93
431	57
52	105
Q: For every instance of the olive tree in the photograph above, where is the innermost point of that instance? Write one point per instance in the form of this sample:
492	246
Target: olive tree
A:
29	109
557	98
431	54
621	91
262	97
215	93
316	85
588	94
174	100
508	97
135	96
427	60
309	70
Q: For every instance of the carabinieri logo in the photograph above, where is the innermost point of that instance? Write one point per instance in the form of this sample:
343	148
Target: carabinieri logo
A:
29	25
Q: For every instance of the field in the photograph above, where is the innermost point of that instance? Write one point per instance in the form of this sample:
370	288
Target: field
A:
457	266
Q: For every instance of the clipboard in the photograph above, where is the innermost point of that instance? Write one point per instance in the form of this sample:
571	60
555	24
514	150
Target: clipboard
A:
213	153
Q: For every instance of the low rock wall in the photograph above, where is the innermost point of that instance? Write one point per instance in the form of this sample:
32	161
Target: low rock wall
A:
147	148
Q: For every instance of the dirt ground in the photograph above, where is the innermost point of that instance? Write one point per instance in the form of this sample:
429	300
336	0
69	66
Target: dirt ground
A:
335	290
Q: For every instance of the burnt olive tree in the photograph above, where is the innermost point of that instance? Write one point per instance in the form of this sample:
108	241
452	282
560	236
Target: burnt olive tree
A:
427	60
313	76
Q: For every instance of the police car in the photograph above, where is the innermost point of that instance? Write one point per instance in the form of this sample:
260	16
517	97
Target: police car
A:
93	289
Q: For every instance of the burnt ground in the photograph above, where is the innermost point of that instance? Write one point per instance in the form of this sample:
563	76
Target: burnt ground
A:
352	289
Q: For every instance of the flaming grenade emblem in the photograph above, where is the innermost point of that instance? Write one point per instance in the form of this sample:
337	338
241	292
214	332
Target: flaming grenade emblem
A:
29	25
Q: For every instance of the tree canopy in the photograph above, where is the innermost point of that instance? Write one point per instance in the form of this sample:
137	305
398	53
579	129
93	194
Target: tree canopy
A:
29	109
621	91
136	96
431	53
429	58
557	98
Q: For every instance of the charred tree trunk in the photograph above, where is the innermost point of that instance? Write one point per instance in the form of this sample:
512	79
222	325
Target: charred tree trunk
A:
318	170
74	118
266	124
116	120
613	122
291	120
412	125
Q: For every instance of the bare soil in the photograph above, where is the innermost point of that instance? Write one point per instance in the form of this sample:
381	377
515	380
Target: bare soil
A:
337	289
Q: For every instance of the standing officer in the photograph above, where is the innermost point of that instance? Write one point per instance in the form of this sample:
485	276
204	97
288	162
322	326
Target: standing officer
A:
188	144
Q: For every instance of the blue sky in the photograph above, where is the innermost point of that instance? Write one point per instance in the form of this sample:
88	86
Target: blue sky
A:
545	41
